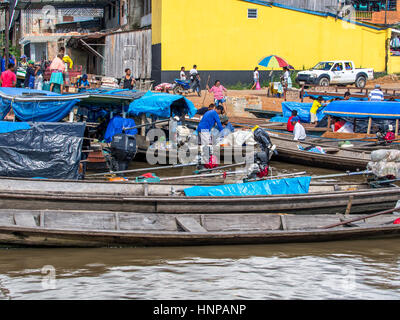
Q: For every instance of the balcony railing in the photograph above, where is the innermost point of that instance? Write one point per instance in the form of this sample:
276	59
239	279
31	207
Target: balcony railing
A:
364	15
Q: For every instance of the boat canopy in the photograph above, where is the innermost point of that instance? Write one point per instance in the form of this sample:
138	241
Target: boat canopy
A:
364	109
45	106
162	105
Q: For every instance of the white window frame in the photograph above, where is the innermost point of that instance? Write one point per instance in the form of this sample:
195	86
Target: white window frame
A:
252	12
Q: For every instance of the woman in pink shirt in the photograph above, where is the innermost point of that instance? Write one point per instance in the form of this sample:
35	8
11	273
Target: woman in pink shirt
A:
218	90
57	68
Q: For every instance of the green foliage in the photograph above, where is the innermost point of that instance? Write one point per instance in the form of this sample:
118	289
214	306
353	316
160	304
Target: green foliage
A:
239	86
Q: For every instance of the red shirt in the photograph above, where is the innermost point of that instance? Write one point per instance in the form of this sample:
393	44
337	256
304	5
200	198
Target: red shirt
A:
389	136
339	124
7	78
290	127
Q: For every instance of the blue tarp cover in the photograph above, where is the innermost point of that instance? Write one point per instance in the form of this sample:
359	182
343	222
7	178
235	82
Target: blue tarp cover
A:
6	126
159	104
116	125
41	111
326	98
303	111
266	187
364	109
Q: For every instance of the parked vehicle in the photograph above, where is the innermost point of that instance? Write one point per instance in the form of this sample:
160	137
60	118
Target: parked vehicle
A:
340	72
184	87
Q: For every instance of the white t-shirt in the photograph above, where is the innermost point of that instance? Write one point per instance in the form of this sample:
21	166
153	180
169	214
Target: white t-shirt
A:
286	75
193	72
256	75
299	132
183	75
347	127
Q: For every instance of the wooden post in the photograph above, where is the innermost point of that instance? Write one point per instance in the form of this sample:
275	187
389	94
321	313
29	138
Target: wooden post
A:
7	34
329	122
142	122
349	206
397	128
354	124
369	125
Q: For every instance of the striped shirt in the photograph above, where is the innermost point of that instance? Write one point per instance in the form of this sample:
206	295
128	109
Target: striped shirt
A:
376	95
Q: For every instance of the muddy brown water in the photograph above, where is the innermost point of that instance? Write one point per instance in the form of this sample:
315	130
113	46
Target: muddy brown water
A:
365	269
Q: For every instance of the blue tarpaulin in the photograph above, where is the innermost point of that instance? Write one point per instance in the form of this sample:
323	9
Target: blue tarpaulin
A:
326	98
364	109
266	187
43	111
160	104
116	125
6	126
303	112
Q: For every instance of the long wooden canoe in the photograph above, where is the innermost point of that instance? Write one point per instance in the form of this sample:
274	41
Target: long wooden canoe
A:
166	198
49	228
334	158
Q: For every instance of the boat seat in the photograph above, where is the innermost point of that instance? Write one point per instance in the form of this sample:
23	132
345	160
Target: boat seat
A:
189	224
24	219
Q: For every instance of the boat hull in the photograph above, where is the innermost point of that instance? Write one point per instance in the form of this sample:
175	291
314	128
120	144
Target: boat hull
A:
74	230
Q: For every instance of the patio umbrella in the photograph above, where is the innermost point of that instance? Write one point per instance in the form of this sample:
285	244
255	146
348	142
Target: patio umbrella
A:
274	61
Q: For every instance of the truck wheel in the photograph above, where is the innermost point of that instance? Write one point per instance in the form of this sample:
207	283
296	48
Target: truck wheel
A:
324	82
361	82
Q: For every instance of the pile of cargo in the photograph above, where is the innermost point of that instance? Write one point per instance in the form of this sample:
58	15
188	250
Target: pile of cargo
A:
385	163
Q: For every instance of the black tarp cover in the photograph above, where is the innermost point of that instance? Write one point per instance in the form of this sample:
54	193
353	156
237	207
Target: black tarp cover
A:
47	150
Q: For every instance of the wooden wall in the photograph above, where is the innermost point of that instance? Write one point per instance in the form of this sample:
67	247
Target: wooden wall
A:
128	50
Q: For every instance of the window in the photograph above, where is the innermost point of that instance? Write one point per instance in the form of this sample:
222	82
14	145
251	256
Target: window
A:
109	12
113	8
252	13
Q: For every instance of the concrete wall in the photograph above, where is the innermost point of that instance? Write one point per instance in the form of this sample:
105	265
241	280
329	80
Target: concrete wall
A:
226	40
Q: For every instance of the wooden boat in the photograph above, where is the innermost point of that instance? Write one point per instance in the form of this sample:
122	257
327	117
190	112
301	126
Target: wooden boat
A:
336	158
169	198
49	228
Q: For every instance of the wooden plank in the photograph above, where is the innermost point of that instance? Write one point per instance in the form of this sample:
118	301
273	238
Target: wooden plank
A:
189	224
24	219
369	125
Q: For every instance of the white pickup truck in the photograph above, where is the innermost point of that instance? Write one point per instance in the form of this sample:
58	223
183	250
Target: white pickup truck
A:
335	72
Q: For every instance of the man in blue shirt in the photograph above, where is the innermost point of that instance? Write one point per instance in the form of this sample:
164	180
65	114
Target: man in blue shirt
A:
208	121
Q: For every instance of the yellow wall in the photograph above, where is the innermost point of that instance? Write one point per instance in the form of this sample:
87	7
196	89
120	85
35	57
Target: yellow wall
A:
394	64
156	6
217	35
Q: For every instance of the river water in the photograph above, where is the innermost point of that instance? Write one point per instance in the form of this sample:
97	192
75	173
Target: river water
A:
367	269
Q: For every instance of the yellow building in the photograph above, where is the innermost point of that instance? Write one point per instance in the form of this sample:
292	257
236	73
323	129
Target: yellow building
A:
227	38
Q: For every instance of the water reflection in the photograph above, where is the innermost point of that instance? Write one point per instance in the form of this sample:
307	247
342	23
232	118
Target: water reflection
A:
335	270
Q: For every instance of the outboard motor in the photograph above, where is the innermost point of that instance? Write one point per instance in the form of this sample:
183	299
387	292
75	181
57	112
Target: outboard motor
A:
260	167
123	150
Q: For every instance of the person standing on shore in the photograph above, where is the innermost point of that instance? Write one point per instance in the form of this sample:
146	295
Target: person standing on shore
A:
129	81
256	78
57	68
286	81
8	79
182	74
218	90
30	76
